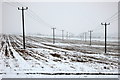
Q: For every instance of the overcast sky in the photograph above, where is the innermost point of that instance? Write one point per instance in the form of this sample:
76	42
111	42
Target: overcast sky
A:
72	17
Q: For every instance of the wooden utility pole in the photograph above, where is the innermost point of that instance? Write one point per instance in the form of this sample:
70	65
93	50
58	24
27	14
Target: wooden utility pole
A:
105	35
53	35
81	37
90	35
62	34
85	36
67	35
23	24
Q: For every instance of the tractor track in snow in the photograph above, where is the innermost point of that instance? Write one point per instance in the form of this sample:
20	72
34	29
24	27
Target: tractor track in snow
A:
12	42
99	60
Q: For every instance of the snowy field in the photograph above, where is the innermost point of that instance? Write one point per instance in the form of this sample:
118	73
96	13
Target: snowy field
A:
67	59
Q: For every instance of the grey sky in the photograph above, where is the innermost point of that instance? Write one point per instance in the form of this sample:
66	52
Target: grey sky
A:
72	17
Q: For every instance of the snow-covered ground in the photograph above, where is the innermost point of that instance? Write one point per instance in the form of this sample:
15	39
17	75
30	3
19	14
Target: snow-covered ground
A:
110	39
67	58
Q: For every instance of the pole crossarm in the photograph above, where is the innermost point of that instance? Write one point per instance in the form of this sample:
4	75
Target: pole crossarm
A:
105	24
23	8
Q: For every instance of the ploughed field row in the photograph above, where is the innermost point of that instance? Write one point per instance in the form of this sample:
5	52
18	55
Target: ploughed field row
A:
64	56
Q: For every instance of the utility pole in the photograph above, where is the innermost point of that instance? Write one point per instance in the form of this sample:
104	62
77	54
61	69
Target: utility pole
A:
81	37
23	24
62	34
90	35
85	36
53	35
67	35
105	35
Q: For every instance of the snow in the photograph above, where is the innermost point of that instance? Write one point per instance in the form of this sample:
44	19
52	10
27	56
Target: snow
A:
41	59
78	38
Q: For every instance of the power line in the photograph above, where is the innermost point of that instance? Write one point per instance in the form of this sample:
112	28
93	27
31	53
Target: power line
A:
43	20
38	19
117	13
35	16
